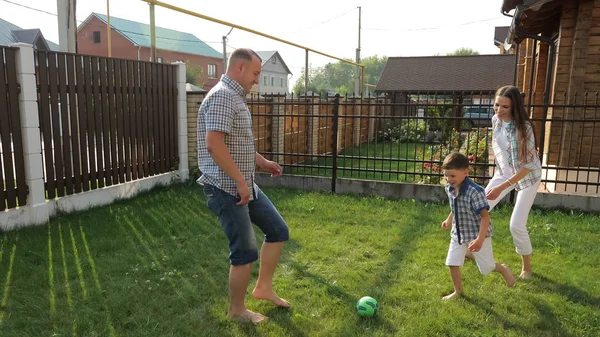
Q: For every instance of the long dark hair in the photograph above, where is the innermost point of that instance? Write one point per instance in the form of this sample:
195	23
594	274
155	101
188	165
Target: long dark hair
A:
520	118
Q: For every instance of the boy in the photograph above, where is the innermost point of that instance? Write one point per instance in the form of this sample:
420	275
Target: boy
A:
470	221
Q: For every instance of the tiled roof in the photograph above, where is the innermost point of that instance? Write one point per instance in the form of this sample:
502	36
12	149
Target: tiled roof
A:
166	39
447	73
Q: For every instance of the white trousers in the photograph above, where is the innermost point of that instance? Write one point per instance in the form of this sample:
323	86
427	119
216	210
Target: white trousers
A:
518	220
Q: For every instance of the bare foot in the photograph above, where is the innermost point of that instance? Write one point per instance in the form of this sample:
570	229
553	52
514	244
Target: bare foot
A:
525	275
269	295
247	316
510	278
451	296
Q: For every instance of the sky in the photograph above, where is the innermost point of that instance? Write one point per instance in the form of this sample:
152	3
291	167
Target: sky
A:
388	28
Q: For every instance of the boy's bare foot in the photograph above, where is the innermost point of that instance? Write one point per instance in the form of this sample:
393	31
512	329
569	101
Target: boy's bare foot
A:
269	295
509	278
525	275
451	296
247	316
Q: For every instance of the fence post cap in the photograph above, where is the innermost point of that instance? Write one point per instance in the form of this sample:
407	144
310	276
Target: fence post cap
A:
274	94
309	94
21	44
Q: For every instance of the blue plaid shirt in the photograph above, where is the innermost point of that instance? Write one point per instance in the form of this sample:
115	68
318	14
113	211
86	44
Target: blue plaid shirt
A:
466	208
224	109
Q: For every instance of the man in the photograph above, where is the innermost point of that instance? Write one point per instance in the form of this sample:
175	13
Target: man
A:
227	158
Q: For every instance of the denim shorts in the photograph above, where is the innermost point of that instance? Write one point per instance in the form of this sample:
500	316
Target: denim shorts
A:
237	222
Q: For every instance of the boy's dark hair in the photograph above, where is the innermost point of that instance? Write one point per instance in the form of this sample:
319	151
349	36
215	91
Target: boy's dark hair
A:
455	161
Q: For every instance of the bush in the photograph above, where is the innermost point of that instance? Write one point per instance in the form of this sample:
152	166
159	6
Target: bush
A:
410	132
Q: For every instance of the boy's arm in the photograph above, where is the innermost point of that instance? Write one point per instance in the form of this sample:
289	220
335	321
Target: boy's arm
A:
448	222
476	244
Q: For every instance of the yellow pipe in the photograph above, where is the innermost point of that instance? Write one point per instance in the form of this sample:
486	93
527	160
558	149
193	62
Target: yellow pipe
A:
225	23
185	11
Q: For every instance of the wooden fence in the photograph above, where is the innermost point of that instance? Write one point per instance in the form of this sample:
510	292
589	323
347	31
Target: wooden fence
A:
13	189
104	121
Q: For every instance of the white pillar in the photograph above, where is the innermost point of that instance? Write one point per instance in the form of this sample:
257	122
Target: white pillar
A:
184	171
30	130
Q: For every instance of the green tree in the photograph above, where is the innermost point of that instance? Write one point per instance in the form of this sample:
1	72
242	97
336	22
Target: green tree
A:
193	74
463	51
339	76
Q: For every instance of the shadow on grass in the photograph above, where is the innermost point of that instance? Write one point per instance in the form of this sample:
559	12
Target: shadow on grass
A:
572	293
486	306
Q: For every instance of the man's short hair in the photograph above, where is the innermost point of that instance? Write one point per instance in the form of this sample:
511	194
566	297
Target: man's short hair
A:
455	161
242	54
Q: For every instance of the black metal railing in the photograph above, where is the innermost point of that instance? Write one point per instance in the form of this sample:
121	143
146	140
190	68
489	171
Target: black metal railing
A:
404	137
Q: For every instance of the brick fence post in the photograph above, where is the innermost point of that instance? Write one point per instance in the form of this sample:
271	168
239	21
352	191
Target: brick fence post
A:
356	119
39	212
313	122
372	121
194	99
278	127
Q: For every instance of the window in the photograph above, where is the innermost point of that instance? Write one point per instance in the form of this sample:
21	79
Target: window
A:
159	59
272	81
274	60
265	80
282	83
212	71
97	37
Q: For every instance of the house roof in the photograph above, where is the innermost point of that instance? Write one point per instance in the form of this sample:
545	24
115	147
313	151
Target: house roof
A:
531	17
10	33
500	34
447	73
265	56
167	39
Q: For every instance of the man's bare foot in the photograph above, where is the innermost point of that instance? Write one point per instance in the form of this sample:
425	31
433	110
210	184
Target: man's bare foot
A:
509	278
525	275
247	316
269	295
451	296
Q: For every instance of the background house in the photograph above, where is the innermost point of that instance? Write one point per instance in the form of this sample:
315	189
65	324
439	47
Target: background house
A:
464	80
10	34
570	35
131	40
274	77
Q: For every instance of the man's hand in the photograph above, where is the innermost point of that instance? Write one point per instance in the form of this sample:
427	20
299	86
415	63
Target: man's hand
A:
243	192
445	224
475	245
271	167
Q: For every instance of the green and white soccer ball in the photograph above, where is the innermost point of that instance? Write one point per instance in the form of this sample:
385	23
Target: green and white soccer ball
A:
367	306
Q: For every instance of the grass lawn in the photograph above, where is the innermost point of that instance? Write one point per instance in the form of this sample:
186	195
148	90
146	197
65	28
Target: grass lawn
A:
157	265
382	157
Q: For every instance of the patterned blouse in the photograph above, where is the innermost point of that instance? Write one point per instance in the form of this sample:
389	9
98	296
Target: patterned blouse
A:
506	150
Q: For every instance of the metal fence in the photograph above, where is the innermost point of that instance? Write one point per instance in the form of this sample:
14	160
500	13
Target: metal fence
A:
407	139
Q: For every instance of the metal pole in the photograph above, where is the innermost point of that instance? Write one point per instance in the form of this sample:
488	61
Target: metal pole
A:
306	73
225	50
152	34
357	70
108	28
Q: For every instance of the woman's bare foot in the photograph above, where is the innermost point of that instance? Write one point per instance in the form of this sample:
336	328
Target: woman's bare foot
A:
525	275
247	316
269	295
509	277
451	296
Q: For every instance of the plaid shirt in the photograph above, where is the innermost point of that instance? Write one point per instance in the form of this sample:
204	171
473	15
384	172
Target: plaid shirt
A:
224	109
466	208
507	159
